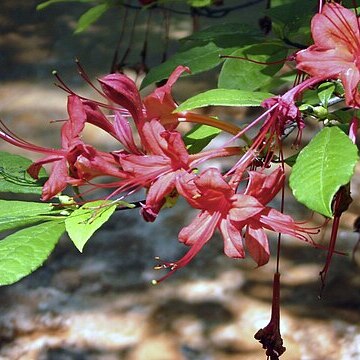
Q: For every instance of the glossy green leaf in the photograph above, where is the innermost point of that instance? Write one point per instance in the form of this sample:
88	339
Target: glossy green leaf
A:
325	92
199	3
199	137
242	34
15	179
83	222
291	20
324	165
198	59
45	4
26	250
14	214
224	97
244	74
90	16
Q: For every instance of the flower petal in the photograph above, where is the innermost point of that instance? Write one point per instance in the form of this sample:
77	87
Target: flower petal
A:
160	102
124	134
335	26
244	207
264	187
123	91
200	230
57	181
257	244
233	246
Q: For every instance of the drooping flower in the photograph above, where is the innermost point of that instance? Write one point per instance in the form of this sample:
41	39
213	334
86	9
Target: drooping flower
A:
336	50
76	162
232	214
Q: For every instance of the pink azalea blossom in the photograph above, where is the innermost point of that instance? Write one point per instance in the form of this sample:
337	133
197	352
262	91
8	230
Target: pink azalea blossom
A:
123	91
75	163
232	214
336	50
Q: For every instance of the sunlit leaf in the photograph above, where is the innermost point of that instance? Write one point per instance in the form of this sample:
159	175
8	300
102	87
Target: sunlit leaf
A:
14	177
90	16
246	73
199	137
324	165
14	214
224	97
26	250
83	222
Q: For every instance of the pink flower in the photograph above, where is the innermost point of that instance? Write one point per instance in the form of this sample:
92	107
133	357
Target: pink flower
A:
232	213
163	158
123	91
75	163
336	50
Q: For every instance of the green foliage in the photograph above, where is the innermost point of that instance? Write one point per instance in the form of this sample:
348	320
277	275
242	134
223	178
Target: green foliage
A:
291	20
325	92
199	3
45	4
203	50
199	137
244	74
14	177
26	250
324	165
91	16
83	222
224	97
15	214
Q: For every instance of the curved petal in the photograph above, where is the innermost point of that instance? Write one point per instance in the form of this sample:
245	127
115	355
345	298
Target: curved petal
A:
264	187
153	142
71	130
123	91
276	221
155	197
96	117
233	246
160	102
244	207
57	181
324	62
257	244
200	230
335	26
124	134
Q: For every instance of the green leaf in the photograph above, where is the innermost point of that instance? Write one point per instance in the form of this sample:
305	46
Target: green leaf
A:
90	16
246	75
199	137
224	97
45	4
325	92
291	20
24	251
83	222
15	179
198	59
14	214
240	33
324	165
199	3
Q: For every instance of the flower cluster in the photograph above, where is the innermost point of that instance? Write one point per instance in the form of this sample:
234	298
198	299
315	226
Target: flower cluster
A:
153	156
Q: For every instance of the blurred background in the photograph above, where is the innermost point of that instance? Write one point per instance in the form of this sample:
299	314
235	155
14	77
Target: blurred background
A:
100	305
